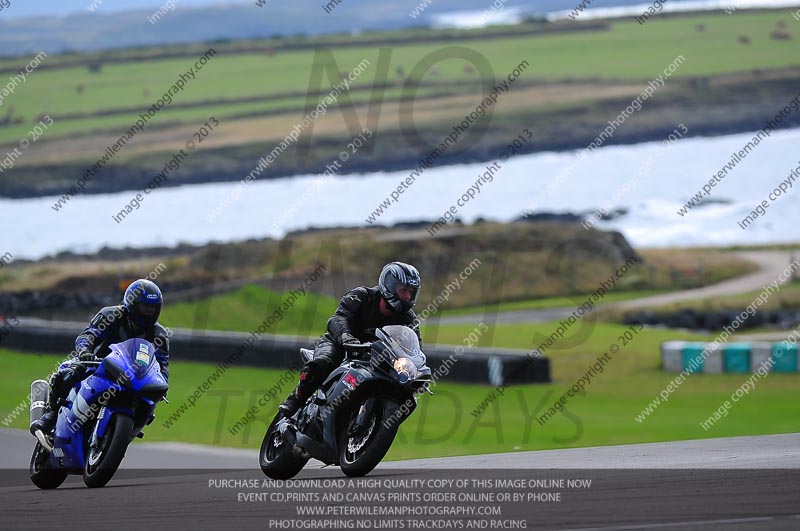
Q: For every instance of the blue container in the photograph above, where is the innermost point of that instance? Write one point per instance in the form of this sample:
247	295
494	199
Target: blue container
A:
784	357
736	358
692	357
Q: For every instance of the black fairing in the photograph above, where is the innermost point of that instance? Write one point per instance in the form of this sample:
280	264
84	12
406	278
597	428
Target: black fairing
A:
336	396
384	376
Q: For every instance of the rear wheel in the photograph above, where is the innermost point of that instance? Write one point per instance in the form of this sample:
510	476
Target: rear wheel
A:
275	457
104	459
43	475
360	452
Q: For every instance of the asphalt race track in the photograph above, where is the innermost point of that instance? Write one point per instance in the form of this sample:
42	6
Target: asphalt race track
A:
732	484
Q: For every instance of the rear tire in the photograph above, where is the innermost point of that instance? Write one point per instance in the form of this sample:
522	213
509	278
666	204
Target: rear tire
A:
275	457
43	475
102	462
359	455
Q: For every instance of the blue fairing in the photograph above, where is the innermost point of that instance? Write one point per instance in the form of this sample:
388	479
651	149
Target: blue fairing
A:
116	386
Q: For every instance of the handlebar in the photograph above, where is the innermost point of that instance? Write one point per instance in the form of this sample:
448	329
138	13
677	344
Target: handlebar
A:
358	346
357	350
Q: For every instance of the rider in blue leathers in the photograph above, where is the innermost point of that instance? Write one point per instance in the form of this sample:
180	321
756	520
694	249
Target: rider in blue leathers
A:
137	316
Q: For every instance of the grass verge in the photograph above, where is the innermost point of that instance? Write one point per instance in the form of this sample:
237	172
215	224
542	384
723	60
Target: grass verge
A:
444	426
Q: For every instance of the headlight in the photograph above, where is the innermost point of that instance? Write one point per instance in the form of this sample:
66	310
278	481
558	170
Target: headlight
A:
405	367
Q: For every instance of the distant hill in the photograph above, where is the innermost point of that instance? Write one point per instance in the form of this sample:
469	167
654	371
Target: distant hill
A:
69	25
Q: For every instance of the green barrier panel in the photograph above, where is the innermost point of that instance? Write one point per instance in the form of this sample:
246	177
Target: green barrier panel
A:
784	357
736	358
692	357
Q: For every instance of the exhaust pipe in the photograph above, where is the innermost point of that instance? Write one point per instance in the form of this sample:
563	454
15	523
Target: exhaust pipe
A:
40	392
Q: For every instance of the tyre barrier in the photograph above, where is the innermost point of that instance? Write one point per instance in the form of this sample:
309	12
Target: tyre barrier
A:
477	365
714	320
708	358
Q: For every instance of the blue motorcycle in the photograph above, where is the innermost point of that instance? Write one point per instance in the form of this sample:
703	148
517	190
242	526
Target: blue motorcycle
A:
103	414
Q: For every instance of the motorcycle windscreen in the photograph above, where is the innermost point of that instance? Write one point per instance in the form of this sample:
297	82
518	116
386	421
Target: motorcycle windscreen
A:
139	354
404	342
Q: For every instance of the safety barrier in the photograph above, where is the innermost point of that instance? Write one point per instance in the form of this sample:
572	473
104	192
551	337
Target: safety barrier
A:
477	365
710	358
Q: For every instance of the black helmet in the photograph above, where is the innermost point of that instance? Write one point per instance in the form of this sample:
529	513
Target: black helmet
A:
143	301
396	275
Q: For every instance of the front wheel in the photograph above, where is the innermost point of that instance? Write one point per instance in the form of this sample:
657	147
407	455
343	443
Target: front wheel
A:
104	459
361	452
43	475
275	457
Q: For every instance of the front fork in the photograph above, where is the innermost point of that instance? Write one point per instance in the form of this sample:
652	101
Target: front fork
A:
99	427
103	418
362	420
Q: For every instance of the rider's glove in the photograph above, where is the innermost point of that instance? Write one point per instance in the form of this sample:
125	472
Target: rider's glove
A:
346	339
86	356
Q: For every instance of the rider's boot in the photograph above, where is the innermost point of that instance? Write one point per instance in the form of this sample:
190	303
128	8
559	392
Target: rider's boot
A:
305	387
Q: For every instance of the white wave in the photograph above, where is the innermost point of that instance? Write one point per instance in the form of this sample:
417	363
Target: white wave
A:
477	19
670	7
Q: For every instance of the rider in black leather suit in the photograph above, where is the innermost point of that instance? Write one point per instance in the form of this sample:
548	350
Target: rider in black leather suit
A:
361	309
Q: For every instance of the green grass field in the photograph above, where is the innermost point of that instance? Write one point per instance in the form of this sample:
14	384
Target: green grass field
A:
244	309
628	51
443	425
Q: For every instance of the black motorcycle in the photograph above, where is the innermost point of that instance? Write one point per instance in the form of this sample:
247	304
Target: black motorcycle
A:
352	419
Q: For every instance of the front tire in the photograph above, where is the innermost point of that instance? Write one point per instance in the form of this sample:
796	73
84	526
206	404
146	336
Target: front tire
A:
43	475
275	457
103	461
361	453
